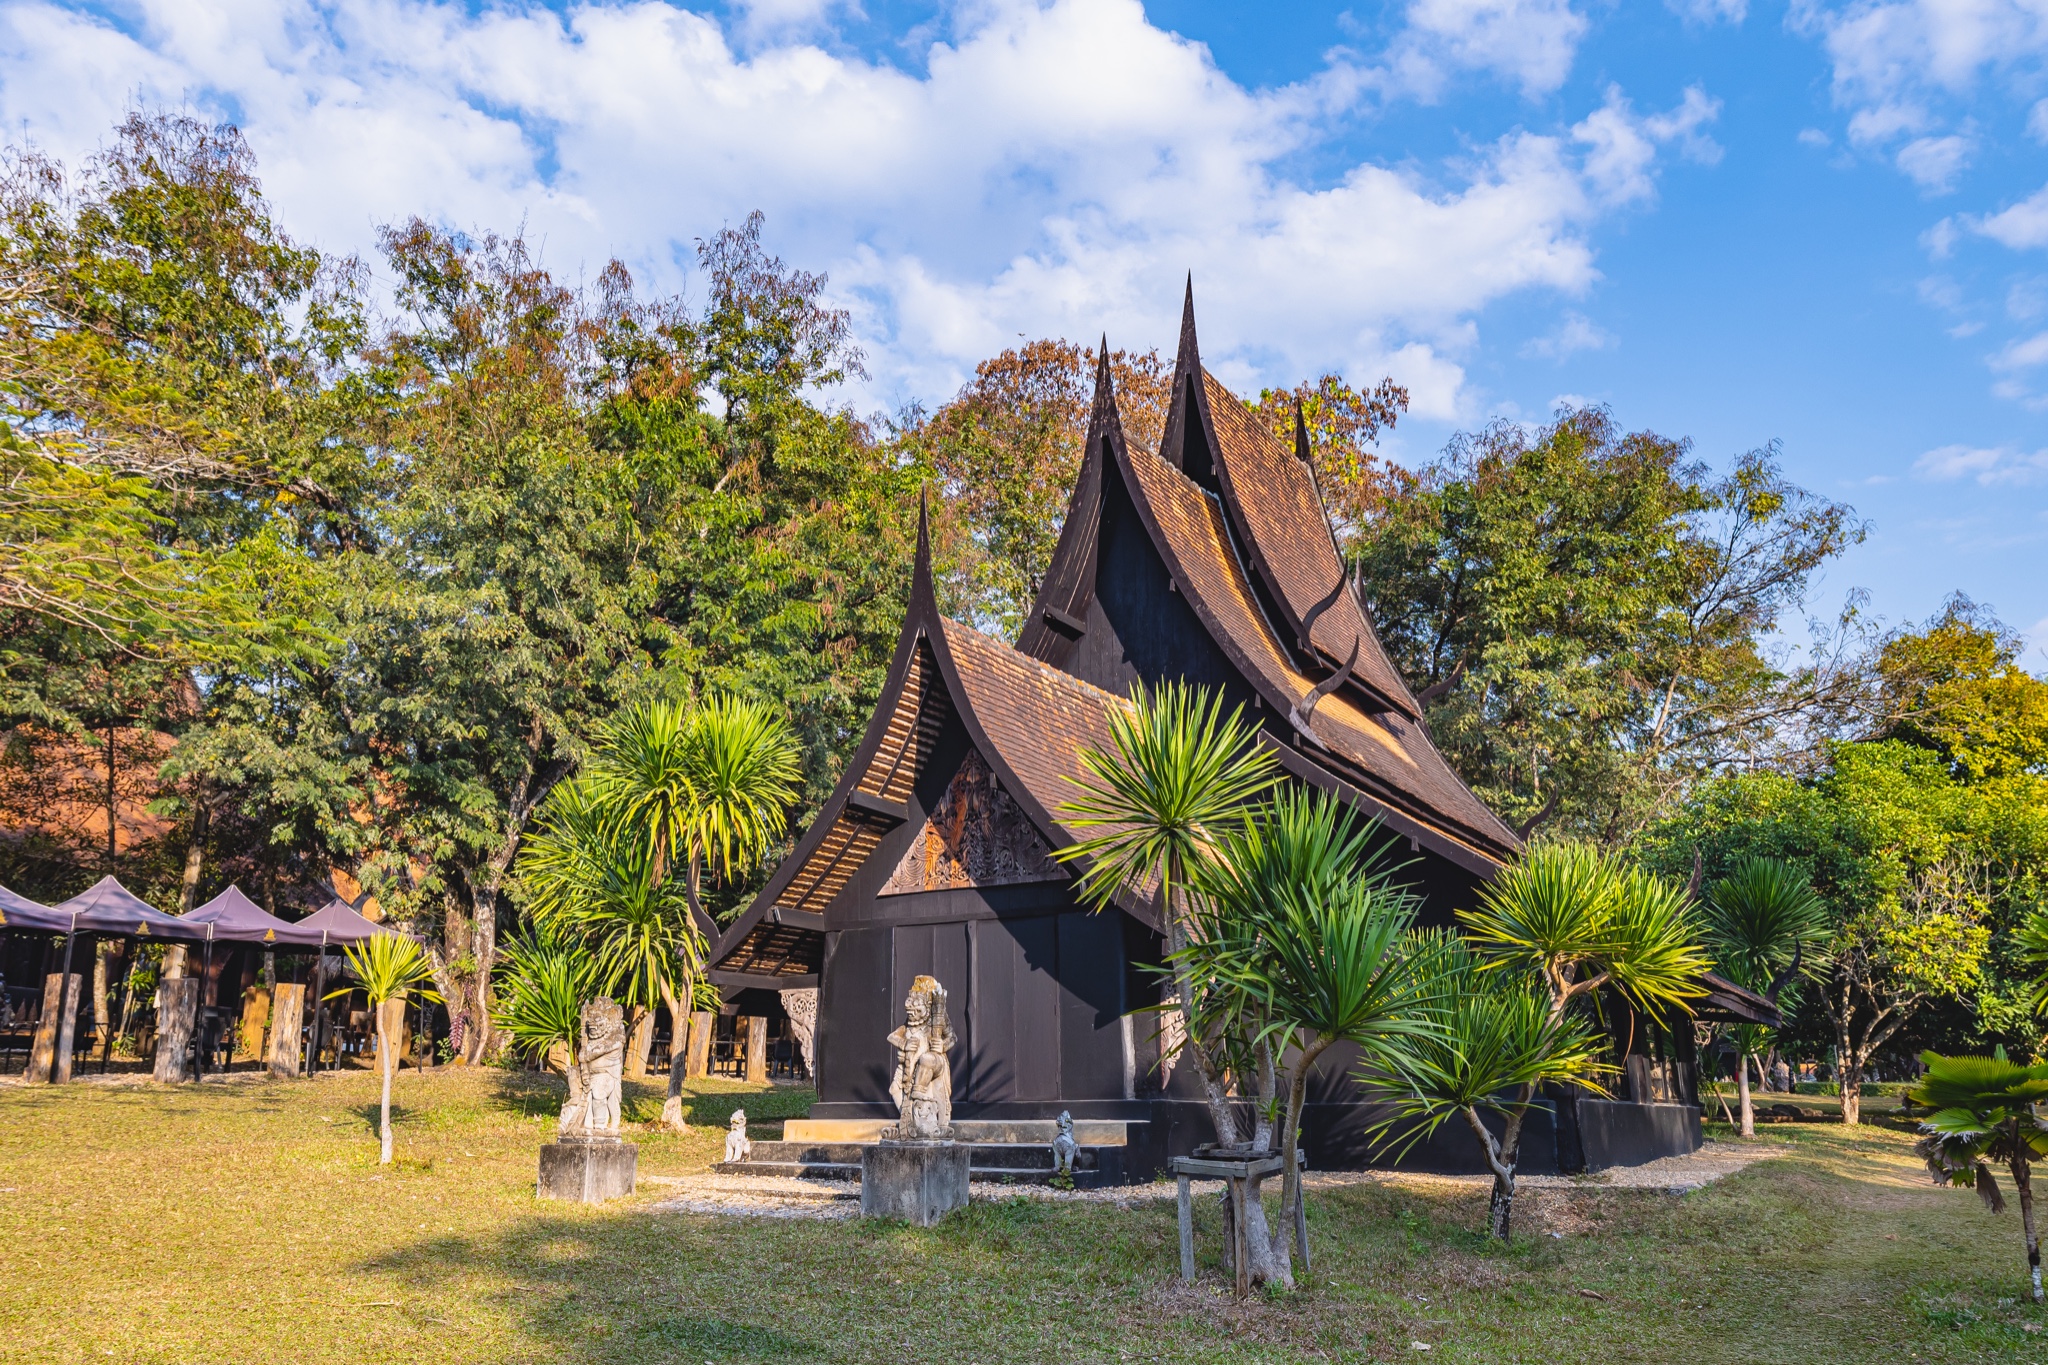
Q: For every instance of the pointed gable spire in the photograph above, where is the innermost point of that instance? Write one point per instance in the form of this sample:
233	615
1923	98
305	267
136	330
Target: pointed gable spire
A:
1301	450
921	594
1102	412
1187	387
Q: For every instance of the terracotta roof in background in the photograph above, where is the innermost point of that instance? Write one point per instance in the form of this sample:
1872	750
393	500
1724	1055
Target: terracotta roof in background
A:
1274	499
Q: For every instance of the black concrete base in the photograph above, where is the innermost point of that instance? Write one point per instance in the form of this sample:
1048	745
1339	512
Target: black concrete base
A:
587	1171
917	1182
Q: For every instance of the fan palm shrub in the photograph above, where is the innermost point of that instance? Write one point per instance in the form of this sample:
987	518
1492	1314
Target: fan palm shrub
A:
1570	920
1180	774
1766	927
1296	946
1984	1112
670	793
543	981
1491	1039
391	968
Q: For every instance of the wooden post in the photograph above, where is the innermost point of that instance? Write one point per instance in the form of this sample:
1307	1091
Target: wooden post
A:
638	1045
175	1017
698	1065
49	1057
757	1048
1240	1245
255	1018
1187	1231
288	1019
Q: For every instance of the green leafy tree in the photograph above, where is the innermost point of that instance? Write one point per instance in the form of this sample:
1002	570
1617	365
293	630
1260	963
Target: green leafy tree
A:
1767	930
391	968
1984	1111
1586	615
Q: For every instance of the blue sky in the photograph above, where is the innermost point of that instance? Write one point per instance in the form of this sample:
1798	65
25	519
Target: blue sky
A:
1823	224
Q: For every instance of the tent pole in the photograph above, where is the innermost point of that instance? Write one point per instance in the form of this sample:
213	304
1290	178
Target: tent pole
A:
319	989
107	1049
64	987
199	1013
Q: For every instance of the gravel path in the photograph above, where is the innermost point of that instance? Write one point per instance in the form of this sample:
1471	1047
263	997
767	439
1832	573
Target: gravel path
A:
774	1196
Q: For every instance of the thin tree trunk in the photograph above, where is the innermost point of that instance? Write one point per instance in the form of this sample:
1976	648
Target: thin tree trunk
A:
1500	1208
386	1055
678	1060
1742	1094
102	1022
188	885
2023	1180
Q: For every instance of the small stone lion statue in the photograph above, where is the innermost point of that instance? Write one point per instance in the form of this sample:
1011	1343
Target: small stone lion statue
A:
737	1145
1063	1147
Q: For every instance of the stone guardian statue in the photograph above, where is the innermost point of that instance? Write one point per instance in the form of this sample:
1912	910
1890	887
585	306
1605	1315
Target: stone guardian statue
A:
596	1083
738	1147
923	1083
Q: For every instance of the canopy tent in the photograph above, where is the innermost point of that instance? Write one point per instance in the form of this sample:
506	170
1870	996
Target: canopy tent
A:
107	907
20	913
338	923
232	917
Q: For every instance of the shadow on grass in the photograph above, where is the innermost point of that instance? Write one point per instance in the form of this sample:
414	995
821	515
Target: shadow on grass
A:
706	1103
598	1290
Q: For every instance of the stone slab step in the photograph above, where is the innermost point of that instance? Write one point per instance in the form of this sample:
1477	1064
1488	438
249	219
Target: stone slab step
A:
1005	1156
850	1172
1087	1132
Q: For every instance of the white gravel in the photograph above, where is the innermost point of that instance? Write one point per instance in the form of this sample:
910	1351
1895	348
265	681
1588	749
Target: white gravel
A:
776	1196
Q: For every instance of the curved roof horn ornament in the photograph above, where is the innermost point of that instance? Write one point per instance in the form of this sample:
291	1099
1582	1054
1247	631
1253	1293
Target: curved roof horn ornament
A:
1304	710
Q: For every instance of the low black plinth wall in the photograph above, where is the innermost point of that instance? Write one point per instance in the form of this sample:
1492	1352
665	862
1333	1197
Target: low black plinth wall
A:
1622	1134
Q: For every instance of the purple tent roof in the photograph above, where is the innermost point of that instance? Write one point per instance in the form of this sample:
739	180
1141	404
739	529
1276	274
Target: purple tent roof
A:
341	923
19	912
107	907
237	919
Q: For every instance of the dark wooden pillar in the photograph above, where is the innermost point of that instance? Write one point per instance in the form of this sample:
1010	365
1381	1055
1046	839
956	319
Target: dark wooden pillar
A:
49	1056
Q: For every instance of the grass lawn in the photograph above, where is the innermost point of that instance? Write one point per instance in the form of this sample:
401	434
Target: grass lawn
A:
248	1221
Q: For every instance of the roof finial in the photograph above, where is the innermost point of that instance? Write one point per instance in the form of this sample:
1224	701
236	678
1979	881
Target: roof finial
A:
1301	450
921	571
1105	387
1189	359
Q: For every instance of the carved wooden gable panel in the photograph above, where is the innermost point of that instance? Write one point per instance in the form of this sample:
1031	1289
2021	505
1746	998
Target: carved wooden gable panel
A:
976	835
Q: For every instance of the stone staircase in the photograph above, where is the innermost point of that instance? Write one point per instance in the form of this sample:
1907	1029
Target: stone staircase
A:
1005	1152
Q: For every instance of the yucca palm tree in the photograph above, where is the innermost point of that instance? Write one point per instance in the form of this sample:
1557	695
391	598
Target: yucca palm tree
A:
670	792
1179	775
1766	927
1984	1111
1573	919
543	983
391	968
1296	948
1493	1038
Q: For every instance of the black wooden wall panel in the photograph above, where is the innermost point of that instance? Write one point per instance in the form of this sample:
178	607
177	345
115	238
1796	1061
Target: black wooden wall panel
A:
990	1074
1091	1006
1035	1005
853	1018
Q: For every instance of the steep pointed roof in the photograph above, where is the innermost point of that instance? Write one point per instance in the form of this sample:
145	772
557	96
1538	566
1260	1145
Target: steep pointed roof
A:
1028	720
1236	517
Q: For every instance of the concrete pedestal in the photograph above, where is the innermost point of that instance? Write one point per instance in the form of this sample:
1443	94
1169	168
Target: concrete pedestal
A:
587	1170
918	1182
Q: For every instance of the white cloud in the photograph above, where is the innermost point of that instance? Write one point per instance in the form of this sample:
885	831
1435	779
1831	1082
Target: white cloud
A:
1934	163
2026	353
1992	466
1530	43
2023	225
1910	69
1623	148
1815	138
1050	169
2037	121
1709	11
1575	332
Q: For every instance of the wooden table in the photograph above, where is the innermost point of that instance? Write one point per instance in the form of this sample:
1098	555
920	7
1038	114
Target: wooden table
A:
1236	1172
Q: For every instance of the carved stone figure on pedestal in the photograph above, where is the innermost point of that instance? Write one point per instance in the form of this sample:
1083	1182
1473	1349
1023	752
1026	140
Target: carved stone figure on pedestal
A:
587	1162
737	1145
923	1084
595	1079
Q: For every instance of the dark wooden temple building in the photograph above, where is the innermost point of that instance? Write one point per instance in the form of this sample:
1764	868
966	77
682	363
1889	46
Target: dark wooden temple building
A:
1210	560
